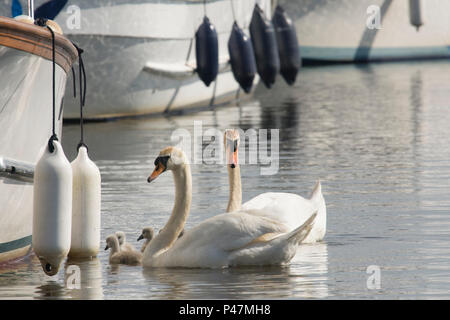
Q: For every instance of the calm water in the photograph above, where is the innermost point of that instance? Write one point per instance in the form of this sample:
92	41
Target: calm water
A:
377	136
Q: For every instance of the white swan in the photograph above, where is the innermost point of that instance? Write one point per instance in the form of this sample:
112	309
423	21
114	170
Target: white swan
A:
147	234
287	208
116	256
124	245
240	238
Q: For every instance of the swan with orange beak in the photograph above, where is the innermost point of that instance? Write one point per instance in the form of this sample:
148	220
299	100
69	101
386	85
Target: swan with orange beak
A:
287	208
160	167
231	141
224	240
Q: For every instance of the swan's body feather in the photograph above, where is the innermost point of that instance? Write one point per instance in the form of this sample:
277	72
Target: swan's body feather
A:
127	247
292	210
278	250
224	240
126	257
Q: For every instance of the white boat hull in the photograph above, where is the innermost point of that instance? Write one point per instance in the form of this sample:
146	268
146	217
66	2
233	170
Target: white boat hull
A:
336	31
26	115
120	84
121	40
26	122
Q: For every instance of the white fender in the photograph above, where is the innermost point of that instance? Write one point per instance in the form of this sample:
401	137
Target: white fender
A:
52	208
86	206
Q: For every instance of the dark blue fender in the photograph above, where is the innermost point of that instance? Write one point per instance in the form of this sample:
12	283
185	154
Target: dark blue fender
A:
50	9
265	45
242	58
207	52
288	46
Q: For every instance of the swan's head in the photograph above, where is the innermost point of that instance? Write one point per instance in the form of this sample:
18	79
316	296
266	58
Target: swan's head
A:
231	142
121	237
147	233
170	158
112	242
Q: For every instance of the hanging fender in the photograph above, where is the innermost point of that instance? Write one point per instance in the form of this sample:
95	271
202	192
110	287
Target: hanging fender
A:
50	9
52	208
242	58
16	8
415	13
288	47
86	190
264	43
207	52
86	205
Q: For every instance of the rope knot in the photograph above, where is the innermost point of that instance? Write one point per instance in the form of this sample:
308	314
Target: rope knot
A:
82	144
51	146
41	22
82	78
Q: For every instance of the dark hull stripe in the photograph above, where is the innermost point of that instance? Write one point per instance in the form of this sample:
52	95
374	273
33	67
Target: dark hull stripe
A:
15	244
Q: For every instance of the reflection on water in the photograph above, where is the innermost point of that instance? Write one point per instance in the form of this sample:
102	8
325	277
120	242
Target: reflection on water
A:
24	279
90	278
305	278
377	136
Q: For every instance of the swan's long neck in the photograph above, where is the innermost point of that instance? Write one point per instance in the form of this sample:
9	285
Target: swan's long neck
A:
183	196
234	177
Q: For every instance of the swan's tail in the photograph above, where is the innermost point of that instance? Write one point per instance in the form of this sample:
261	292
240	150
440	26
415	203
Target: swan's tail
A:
319	203
316	194
318	200
284	248
297	235
279	250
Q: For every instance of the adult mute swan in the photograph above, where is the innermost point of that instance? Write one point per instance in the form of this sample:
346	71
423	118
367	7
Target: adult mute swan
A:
229	239
116	256
287	208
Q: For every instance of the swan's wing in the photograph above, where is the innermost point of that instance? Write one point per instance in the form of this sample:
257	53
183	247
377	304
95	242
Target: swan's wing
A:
287	208
209	244
230	231
275	251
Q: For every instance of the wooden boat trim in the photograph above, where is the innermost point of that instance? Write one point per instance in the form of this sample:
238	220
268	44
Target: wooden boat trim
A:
38	41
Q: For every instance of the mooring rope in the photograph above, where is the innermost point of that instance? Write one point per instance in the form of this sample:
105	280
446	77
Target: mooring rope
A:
82	74
232	10
74	83
54	137
82	82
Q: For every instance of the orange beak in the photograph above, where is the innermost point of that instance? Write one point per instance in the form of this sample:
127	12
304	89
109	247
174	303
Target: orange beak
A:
158	170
